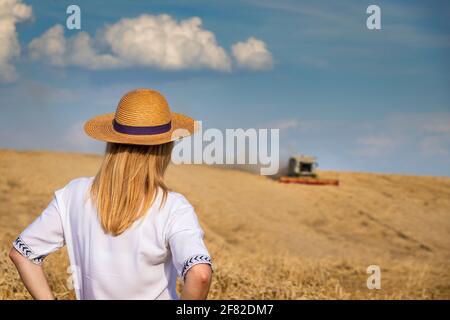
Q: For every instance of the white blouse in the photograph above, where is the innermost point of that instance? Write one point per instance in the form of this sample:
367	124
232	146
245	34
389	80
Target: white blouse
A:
141	263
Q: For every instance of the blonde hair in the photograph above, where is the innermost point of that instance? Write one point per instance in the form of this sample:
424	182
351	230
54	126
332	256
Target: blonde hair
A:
128	182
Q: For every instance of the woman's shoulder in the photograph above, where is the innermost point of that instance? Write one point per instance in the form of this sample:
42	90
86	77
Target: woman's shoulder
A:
177	201
75	185
79	182
175	207
180	215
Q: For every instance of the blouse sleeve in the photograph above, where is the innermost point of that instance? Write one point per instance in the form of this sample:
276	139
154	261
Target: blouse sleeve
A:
43	236
185	238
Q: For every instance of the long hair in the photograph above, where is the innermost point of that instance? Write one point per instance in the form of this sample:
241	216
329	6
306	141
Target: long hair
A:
128	182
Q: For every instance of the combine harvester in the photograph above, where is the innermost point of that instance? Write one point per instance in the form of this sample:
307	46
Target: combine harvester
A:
302	169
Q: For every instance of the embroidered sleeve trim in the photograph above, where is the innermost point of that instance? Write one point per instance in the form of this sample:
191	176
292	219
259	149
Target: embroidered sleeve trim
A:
192	261
26	251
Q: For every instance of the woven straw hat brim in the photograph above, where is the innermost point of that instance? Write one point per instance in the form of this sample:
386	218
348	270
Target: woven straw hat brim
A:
101	128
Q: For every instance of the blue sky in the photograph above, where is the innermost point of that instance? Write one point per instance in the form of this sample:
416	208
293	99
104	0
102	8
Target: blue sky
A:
359	99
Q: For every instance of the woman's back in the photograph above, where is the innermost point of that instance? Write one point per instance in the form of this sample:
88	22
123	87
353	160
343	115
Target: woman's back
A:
141	263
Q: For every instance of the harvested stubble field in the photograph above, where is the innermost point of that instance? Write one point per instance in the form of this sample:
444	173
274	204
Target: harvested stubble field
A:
269	240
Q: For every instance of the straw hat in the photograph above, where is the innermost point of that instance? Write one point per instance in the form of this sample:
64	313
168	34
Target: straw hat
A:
142	117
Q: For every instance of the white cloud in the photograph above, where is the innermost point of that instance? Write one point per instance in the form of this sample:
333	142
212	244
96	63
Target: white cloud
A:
252	54
50	46
161	41
375	145
439	124
11	13
55	49
76	139
286	124
293	124
427	133
435	146
147	40
436	140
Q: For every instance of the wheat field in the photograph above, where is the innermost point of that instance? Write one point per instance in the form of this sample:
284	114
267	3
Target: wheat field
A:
268	240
